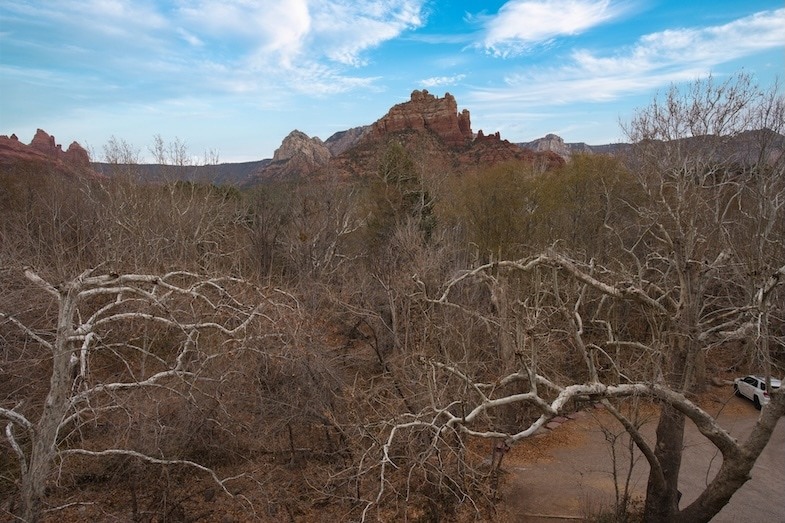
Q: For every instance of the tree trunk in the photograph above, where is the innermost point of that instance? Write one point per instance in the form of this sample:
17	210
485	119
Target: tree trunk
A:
33	486
662	504
735	469
43	452
56	405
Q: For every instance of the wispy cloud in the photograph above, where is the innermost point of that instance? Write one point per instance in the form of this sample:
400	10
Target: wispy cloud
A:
190	38
243	46
521	24
276	30
345	29
439	81
654	60
288	32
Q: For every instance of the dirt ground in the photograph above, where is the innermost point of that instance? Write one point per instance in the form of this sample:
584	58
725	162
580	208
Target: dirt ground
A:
567	474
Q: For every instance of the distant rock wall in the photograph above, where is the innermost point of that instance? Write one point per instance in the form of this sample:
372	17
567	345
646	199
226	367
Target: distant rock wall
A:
43	149
344	140
555	144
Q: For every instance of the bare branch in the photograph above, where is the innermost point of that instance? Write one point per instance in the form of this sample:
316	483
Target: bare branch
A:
9	434
131	453
35	278
27	330
17	418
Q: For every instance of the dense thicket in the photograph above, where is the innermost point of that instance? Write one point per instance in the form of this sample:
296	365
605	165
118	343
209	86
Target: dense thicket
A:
386	323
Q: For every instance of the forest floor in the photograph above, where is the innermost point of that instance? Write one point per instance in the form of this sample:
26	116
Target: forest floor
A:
567	473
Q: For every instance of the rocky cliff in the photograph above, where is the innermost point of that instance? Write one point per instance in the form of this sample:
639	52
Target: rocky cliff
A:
425	111
555	144
43	151
344	140
492	149
298	155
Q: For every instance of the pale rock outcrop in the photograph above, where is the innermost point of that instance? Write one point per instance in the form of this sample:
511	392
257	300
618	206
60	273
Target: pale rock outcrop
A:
552	143
310	150
298	155
345	140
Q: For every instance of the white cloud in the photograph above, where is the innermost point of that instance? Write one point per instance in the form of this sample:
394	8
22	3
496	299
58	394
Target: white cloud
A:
520	24
298	45
698	47
347	28
438	81
274	29
655	60
284	32
316	79
190	38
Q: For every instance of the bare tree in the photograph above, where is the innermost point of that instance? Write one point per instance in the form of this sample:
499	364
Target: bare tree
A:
122	157
204	320
713	177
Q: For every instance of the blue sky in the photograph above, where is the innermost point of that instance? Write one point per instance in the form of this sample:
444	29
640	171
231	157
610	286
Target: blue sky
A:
236	76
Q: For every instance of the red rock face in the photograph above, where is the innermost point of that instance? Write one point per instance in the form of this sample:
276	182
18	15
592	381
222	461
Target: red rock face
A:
44	143
426	112
77	155
44	151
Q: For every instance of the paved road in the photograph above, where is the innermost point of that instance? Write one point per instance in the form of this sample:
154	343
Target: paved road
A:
576	480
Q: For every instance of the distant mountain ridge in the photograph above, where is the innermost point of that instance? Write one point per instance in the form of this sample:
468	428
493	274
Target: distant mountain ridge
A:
554	143
222	173
430	125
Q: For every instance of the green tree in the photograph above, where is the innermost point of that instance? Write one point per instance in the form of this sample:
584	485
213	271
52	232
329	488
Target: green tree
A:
397	195
580	204
494	208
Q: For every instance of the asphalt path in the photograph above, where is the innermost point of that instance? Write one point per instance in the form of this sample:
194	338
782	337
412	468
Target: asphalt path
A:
575	479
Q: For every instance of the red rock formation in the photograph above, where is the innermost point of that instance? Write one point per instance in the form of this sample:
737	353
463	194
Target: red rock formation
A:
481	137
427	112
492	149
46	144
44	152
77	155
429	127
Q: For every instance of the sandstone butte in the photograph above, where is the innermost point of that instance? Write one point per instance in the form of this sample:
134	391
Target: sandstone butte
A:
44	151
425	111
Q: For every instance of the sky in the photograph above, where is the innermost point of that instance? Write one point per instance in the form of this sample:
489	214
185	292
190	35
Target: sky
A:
234	77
